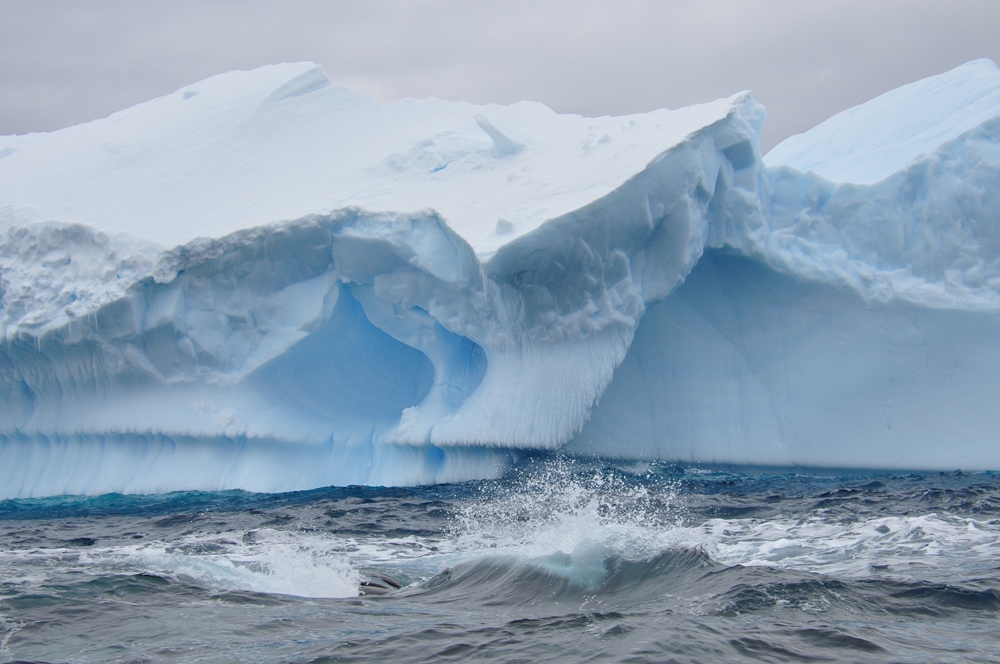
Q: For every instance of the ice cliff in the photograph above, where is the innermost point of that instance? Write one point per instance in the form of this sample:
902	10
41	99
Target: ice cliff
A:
265	281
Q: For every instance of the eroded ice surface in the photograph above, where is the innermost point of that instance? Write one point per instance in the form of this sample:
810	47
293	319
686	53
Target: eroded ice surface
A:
265	281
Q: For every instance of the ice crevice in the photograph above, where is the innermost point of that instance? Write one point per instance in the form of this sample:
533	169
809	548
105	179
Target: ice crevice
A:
662	291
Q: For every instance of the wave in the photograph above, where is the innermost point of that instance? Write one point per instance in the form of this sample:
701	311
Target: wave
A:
588	575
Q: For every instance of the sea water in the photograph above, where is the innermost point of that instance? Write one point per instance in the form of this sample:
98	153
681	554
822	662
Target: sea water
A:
559	561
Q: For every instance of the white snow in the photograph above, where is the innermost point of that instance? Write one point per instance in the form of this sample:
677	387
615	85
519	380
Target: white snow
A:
266	281
872	141
249	148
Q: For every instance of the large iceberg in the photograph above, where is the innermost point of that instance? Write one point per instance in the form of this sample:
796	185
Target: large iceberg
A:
265	281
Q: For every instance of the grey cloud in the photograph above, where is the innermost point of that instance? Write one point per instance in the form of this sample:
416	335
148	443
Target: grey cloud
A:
67	62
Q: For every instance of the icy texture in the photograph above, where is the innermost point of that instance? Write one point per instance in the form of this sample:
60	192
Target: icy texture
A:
265	281
870	142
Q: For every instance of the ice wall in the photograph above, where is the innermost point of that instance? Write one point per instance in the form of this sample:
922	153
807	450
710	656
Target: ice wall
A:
267	282
746	365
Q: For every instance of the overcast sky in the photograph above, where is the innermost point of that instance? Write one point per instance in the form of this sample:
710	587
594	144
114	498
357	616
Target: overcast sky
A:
62	63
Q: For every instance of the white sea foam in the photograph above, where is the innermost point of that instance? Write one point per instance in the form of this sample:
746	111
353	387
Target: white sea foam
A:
553	509
928	546
590	516
265	561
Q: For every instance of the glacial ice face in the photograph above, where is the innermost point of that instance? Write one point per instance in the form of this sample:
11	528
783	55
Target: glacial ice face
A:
762	368
264	281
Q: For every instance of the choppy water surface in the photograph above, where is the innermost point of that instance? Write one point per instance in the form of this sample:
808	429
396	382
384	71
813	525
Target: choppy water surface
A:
559	561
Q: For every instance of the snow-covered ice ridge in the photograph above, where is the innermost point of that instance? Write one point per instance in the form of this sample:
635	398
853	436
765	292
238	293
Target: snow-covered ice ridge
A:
266	281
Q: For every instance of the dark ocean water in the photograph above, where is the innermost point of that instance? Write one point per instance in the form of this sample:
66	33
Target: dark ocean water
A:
560	561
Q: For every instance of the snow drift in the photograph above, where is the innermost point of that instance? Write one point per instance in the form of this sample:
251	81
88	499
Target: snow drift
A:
265	281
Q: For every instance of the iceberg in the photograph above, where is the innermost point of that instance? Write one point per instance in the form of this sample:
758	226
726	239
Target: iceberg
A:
265	281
